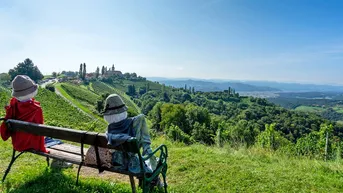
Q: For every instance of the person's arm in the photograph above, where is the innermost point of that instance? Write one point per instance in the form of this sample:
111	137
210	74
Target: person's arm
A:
5	134
142	134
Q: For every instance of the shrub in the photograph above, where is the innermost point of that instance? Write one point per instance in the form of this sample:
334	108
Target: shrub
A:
50	87
175	133
272	139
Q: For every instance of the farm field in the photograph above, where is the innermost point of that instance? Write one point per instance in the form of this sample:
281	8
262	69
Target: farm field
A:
310	109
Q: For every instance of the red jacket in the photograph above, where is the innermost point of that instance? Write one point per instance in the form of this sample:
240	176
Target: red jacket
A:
29	111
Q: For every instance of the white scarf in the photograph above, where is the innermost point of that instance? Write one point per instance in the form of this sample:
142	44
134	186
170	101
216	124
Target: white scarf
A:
115	118
27	97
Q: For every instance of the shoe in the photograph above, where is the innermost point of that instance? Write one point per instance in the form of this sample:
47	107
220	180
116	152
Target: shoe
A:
60	164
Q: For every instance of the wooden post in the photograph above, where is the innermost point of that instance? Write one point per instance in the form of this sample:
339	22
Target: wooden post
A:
133	186
326	145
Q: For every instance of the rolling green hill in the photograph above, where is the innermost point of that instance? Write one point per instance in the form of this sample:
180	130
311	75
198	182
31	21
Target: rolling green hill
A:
122	84
103	88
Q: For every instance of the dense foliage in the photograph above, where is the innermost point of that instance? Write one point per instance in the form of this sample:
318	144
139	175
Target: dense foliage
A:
26	68
223	117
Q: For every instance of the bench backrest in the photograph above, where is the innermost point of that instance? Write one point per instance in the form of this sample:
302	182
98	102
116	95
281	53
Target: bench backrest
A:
78	136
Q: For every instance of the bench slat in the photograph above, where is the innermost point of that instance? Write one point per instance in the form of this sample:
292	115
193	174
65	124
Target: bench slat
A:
68	148
63	156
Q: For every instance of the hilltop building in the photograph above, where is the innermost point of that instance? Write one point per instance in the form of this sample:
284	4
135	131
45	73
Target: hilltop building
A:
111	72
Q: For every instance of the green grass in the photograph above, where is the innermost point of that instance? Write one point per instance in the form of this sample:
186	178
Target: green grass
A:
200	168
310	109
195	168
30	174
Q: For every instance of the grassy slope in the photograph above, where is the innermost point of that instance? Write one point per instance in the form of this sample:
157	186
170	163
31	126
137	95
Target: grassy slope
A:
194	168
80	93
59	112
84	106
100	87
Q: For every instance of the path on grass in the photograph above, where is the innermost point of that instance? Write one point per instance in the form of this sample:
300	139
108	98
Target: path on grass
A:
43	85
72	104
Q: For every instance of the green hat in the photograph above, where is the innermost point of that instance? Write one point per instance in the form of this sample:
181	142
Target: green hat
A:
114	105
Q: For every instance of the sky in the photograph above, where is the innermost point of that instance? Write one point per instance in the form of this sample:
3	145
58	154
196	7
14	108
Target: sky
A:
289	41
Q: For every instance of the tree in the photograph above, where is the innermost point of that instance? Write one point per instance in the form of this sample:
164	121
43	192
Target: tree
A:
131	90
5	77
103	70
54	74
174	115
97	72
155	116
81	71
26	68
84	72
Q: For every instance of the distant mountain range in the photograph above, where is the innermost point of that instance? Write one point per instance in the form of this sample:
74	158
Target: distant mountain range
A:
297	87
245	86
207	86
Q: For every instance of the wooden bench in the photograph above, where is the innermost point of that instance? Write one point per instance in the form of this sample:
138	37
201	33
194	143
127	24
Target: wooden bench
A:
76	155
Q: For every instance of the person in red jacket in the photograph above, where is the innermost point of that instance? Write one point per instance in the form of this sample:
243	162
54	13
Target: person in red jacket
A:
24	107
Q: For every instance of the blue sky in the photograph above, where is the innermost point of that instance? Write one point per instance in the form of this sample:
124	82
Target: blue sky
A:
293	41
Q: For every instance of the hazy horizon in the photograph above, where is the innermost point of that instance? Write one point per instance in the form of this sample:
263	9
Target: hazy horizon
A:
280	41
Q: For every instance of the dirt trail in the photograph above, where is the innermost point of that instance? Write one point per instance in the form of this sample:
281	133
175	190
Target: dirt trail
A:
108	176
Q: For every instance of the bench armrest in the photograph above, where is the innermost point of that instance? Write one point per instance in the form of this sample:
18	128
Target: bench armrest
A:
163	156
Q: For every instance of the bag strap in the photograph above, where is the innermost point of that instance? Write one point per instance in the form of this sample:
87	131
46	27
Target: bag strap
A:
14	110
98	161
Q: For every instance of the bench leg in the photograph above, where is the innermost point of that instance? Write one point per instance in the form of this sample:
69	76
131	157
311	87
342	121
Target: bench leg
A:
48	161
133	185
146	186
164	174
78	174
14	157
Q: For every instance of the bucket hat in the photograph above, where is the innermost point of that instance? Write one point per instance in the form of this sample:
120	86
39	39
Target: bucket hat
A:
22	85
114	105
